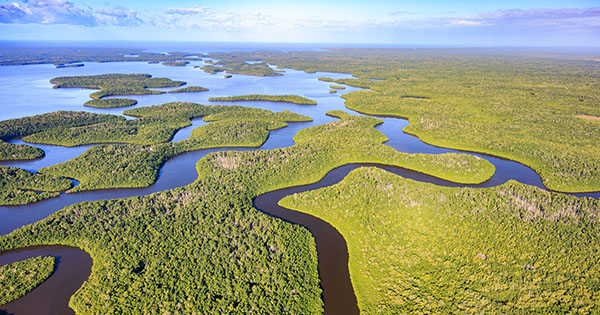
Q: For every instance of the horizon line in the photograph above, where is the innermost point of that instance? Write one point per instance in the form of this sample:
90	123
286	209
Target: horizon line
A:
400	45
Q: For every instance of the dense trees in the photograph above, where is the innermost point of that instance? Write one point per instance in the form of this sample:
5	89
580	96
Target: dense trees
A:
29	125
74	56
295	99
19	187
420	248
110	102
413	247
178	63
203	247
116	166
231	64
189	89
155	124
520	106
212	69
18	278
116	84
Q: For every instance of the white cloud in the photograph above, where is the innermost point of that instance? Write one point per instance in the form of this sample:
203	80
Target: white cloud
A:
118	17
467	23
65	12
188	11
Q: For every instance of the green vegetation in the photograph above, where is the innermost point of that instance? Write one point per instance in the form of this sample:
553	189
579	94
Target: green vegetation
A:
332	91
420	248
337	87
110	102
517	105
66	56
20	127
18	278
212	69
137	131
156	124
177	111
114	166
70	65
257	69
295	99
176	63
189	89
113	84
9	151
232	64
245	113
328	80
218	254
19	187
118	166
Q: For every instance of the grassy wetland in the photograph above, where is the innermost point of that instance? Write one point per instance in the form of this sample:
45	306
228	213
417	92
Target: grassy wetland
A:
420	248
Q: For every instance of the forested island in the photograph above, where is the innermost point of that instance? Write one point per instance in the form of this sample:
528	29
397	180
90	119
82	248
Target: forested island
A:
294	99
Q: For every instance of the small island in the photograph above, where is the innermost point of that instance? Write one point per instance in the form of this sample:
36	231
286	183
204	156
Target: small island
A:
72	65
113	84
110	103
175	63
212	69
21	277
189	89
295	99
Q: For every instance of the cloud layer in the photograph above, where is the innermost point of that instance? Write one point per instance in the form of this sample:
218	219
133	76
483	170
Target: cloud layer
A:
65	12
589	17
397	26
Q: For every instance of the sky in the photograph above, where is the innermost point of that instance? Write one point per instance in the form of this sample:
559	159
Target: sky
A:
424	22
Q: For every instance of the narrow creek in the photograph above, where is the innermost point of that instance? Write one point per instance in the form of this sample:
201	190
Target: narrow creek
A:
74	265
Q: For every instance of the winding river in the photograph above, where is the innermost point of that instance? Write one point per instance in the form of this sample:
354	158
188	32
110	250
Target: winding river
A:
74	265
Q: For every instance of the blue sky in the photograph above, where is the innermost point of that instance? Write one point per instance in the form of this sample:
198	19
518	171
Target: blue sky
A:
459	22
